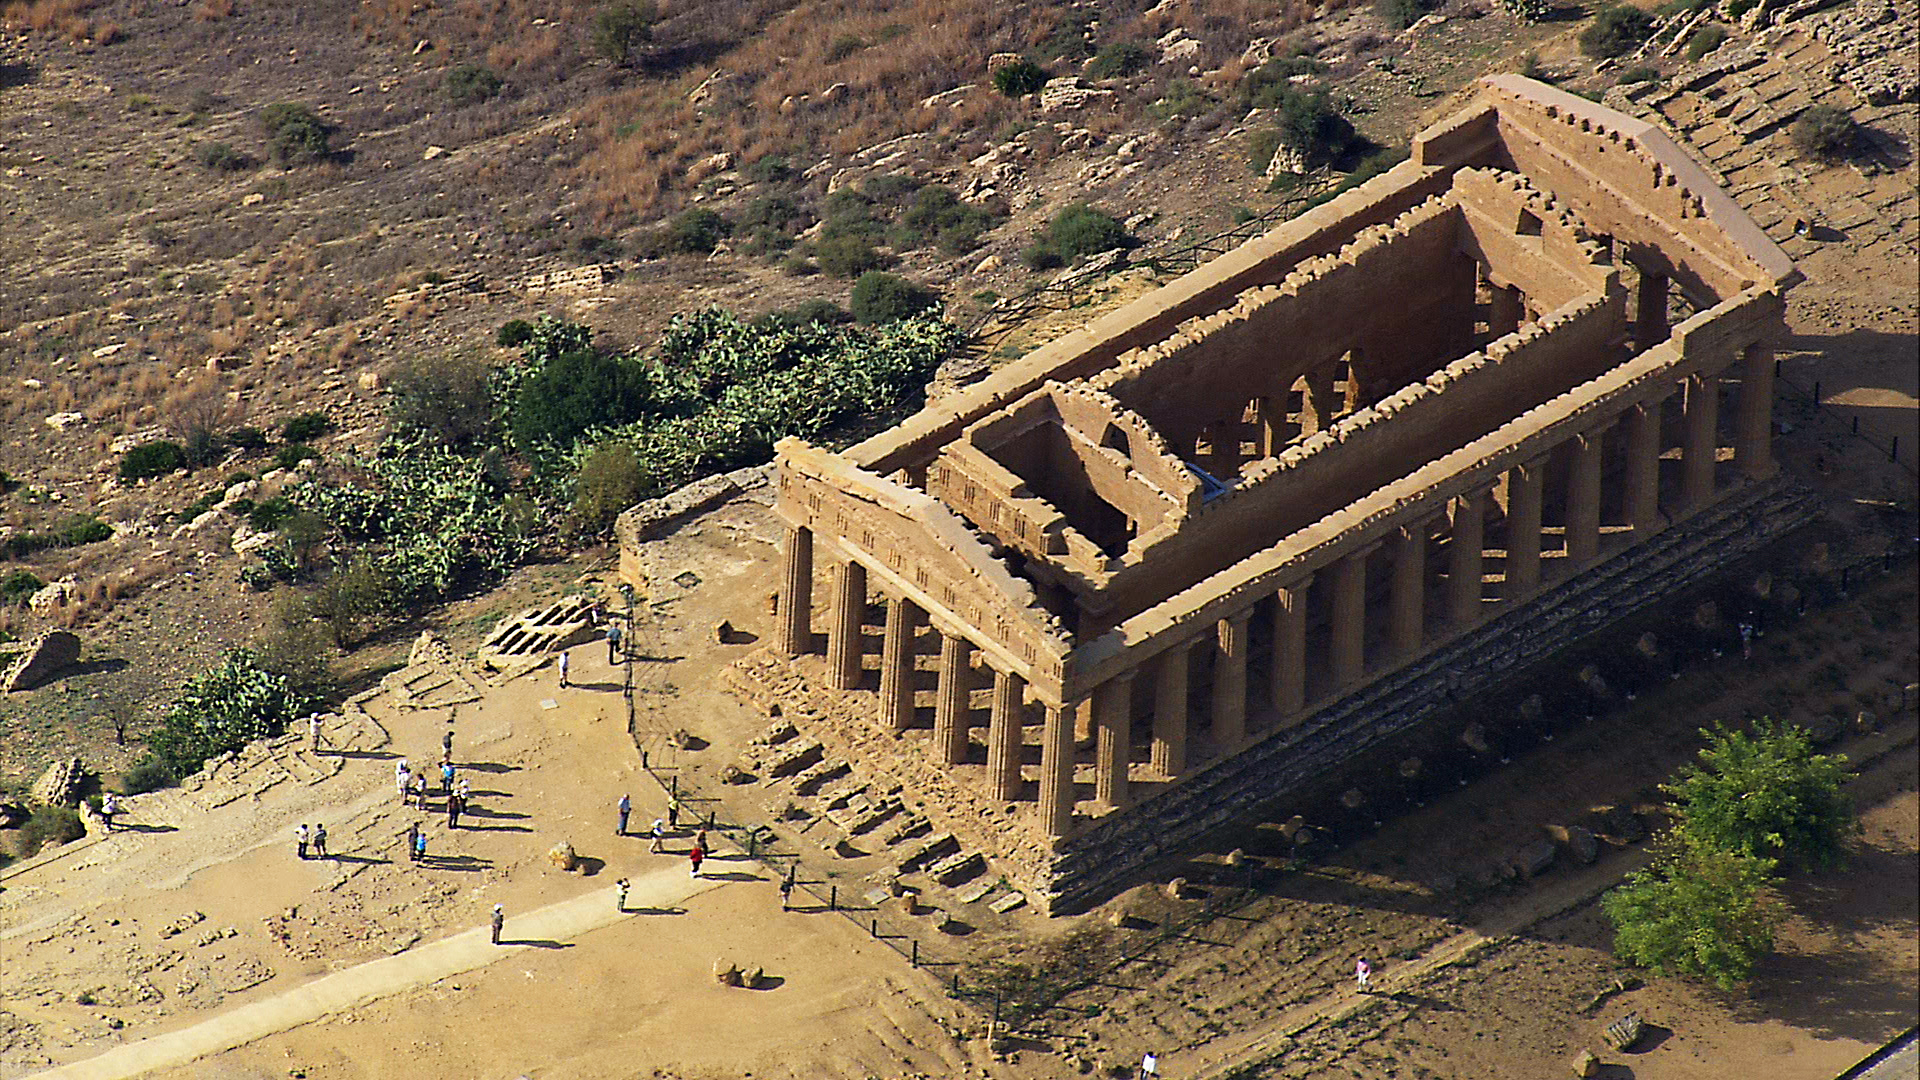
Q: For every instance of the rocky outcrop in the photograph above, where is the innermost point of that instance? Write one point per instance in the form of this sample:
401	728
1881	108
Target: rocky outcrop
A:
46	656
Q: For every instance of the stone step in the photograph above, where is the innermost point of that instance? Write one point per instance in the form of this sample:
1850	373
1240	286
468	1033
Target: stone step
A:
958	868
794	758
928	850
810	780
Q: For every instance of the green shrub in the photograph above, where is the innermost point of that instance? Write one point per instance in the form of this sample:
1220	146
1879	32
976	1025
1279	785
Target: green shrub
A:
470	84
1697	912
889	188
1632	76
152	459
697	232
513	332
574	393
1118	60
1615	31
291	455
347	602
1020	79
938	214
769	169
884	298
1310	124
847	256
222	710
305	427
49	825
622	28
773	212
1182	99
1401	14
445	401
802	314
199	506
609	481
222	158
295	133
1705	40
71	531
1766	794
1738	8
241	508
1041	256
1261	146
150	774
1270	84
18	585
844	46
1528	11
247	438
1080	230
203	447
1826	131
267	514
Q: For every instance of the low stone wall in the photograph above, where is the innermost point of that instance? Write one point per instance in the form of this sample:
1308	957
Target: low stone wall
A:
1094	865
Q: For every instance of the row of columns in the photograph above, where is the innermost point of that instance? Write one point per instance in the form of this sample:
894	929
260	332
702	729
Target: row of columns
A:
1110	704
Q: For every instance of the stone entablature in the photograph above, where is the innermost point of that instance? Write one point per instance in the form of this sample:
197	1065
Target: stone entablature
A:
1341	449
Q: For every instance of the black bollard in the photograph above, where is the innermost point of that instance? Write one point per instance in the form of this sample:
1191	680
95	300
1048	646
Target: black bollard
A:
914	960
833	898
1816	393
873	927
1856	425
1893	452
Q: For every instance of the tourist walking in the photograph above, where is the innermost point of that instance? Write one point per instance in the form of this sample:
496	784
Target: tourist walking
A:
402	776
659	836
1362	973
696	855
563	669
673	811
413	841
624	808
419	846
700	839
300	840
620	896
109	806
313	731
454	805
320	841
613	644
499	921
786	892
446	775
465	789
446	743
420	790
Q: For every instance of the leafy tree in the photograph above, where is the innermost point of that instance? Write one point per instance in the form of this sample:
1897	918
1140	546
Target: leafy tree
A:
621	28
224	709
350	599
513	332
1826	131
295	644
295	133
222	158
470	84
883	298
1615	31
446	400
609	481
1020	79
1699	912
1767	794
574	393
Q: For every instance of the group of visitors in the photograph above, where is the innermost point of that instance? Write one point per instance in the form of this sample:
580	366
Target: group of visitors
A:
310	841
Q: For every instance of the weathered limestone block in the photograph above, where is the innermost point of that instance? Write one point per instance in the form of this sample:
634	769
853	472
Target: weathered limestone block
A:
958	869
60	784
1534	859
1585	1064
794	758
726	972
47	656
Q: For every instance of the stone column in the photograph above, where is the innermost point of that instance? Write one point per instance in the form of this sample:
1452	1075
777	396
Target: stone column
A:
950	701
1318	405
849	612
1702	436
1753	430
1407	628
1643	468
1524	484
1290	647
1349	629
1230	682
896	665
1650	311
1273	420
1170	711
1113	712
1504	316
796	594
1003	735
1056	771
1583	500
1463	557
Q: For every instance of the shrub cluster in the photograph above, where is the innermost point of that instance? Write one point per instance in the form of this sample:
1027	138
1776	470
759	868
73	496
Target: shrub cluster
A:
1615	31
470	84
152	459
223	710
1705	40
222	158
1118	60
295	133
305	427
1826	131
1075	231
1022	78
19	584
884	298
71	531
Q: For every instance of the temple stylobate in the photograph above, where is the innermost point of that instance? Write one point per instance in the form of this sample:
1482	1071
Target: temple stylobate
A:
1227	536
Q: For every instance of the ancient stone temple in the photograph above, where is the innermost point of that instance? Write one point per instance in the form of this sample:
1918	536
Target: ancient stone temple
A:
1243	528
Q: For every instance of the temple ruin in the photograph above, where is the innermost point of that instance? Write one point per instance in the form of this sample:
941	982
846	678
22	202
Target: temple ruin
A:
1228	536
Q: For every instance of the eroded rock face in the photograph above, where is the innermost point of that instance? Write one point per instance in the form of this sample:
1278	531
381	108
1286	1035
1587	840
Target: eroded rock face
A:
46	656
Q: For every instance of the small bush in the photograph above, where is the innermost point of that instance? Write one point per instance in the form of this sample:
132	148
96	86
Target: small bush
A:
305	428
574	393
1080	230
805	313
697	232
776	213
1632	76
1401	14
1826	131
1119	60
938	214
247	438
151	774
1615	31
291	455
222	158
513	333
152	459
1261	146
350	600
1041	256
1022	78
470	84
82	529
203	447
844	46
18	585
883	298
295	133
445	401
1705	40
49	825
847	256
622	28
199	506
1528	11
1182	99
889	188
609	481
267	514
769	169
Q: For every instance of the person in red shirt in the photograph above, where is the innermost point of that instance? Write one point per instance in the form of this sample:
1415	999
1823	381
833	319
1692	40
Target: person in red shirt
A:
695	855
